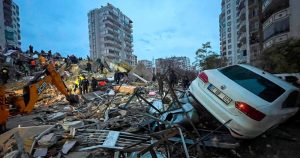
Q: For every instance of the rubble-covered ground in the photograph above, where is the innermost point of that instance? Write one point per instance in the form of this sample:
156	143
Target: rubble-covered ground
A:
110	123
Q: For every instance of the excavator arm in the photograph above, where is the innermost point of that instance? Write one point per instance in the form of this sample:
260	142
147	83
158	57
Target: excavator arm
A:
32	91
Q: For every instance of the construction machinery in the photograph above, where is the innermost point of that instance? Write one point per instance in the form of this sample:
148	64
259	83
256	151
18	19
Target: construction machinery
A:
31	92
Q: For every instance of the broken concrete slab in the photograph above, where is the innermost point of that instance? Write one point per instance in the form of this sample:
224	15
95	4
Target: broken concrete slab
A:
40	152
48	140
73	124
68	146
93	95
25	132
78	154
13	154
56	116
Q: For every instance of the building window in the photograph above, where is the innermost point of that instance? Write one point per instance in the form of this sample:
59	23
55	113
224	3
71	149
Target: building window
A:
229	35
229	23
228	17
228	6
244	52
229	46
229	52
228	11
229	40
229	29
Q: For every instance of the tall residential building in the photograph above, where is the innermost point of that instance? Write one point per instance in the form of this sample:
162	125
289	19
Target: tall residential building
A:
10	24
240	31
280	21
162	65
2	29
110	34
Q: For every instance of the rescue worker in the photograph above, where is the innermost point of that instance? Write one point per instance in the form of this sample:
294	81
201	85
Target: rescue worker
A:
173	78
77	84
94	84
4	75
117	77
160	81
88	67
85	84
185	82
32	65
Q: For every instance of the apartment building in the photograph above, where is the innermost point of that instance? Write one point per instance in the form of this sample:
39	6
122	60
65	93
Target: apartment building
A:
280	21
162	65
10	25
148	64
240	31
2	29
110	35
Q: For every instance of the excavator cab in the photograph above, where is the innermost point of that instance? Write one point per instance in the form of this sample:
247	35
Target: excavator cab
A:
31	92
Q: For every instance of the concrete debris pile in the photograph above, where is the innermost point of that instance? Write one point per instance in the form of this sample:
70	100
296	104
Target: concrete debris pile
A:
129	119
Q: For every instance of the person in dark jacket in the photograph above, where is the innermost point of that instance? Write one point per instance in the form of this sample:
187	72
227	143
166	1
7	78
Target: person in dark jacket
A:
160	81
4	75
173	78
185	82
85	85
94	84
89	67
117	77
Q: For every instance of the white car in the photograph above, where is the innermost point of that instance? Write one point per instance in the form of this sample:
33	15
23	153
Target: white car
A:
254	100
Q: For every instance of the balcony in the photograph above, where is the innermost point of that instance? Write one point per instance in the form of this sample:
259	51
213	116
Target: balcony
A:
276	28
280	38
272	6
280	15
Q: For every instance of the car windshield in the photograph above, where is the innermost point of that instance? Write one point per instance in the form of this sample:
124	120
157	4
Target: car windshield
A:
253	82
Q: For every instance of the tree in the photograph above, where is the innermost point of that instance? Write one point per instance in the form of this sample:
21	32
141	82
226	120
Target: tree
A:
208	59
282	58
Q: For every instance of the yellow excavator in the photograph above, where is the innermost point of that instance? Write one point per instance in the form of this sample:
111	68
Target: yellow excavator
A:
25	103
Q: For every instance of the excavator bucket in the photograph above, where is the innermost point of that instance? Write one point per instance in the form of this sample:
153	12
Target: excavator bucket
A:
73	99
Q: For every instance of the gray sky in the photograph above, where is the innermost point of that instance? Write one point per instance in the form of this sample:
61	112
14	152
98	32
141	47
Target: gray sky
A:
161	28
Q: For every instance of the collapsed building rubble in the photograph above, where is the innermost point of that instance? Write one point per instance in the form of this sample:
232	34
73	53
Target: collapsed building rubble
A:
124	120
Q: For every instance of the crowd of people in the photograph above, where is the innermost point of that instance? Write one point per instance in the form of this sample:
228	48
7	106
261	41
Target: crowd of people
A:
83	83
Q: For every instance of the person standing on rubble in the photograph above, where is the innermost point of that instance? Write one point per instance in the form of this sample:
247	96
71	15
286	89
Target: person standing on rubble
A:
77	84
185	82
94	84
4	75
117	76
173	78
85	85
88	66
160	81
32	64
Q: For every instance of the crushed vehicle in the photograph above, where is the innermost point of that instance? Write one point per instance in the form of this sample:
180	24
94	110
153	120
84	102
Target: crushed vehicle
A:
253	100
